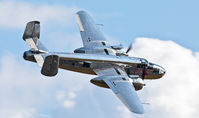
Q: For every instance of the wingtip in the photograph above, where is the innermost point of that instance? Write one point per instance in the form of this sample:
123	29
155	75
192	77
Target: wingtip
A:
35	22
81	12
138	111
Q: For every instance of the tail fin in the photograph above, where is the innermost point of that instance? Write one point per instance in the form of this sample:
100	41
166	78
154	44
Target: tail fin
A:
31	36
32	31
50	63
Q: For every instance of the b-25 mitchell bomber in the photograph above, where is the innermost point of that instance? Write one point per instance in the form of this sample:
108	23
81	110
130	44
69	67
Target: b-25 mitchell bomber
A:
115	69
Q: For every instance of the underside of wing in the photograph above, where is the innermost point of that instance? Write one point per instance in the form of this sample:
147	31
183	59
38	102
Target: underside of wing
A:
116	79
125	91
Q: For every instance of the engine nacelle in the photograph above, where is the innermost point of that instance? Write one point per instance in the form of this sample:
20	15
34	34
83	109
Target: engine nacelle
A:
98	81
28	55
138	83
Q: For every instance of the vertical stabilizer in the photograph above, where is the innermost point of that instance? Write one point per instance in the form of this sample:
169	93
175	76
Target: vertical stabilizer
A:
31	36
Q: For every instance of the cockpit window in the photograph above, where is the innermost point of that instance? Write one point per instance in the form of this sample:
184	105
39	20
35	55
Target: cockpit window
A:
144	60
140	66
103	43
151	64
150	67
155	71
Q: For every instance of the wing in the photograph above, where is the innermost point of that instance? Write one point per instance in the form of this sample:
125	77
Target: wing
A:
90	34
117	79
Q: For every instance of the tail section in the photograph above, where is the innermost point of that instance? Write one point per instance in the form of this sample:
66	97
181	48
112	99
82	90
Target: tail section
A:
32	31
38	53
50	66
31	36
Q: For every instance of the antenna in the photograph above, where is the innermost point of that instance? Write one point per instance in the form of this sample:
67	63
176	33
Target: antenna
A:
146	103
100	24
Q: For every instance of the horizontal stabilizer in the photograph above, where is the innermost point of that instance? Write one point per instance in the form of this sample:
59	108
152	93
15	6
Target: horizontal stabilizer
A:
50	66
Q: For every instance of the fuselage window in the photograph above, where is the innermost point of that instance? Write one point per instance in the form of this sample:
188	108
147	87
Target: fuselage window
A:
79	51
149	67
128	71
103	43
106	51
155	71
140	66
89	39
86	65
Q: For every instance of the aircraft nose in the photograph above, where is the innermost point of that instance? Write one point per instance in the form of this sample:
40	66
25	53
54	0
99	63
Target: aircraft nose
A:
162	71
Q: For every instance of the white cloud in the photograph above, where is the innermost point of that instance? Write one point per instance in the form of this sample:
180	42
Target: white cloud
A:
67	100
68	103
16	14
174	94
18	89
27	113
177	93
123	112
197	55
55	20
25	93
71	95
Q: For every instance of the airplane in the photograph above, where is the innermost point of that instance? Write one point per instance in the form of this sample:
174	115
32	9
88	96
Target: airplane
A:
115	69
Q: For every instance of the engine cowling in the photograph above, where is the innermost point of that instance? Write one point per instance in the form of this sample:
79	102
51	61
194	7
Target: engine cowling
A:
28	55
138	83
99	82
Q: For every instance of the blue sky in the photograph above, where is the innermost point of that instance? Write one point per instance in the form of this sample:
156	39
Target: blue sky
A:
174	20
171	38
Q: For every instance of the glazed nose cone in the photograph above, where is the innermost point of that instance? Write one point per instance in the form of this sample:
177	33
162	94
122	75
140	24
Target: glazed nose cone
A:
162	71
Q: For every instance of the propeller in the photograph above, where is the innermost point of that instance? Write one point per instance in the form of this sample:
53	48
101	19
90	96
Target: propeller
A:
143	72
129	48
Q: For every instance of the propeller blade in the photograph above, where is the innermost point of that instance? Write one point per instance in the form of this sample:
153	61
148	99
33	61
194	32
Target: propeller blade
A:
143	73
129	48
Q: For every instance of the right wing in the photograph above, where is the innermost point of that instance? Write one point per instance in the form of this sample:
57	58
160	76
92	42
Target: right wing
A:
92	37
117	79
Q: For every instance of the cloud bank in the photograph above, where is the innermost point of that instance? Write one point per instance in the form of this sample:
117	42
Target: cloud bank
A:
26	94
177	93
17	14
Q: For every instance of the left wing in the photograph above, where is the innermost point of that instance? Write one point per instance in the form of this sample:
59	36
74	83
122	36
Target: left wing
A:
117	79
92	37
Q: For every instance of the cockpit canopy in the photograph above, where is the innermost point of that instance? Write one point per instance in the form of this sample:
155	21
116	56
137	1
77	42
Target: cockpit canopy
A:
156	68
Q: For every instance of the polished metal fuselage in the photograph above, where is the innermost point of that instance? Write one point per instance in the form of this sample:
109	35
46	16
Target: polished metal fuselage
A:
85	67
150	71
